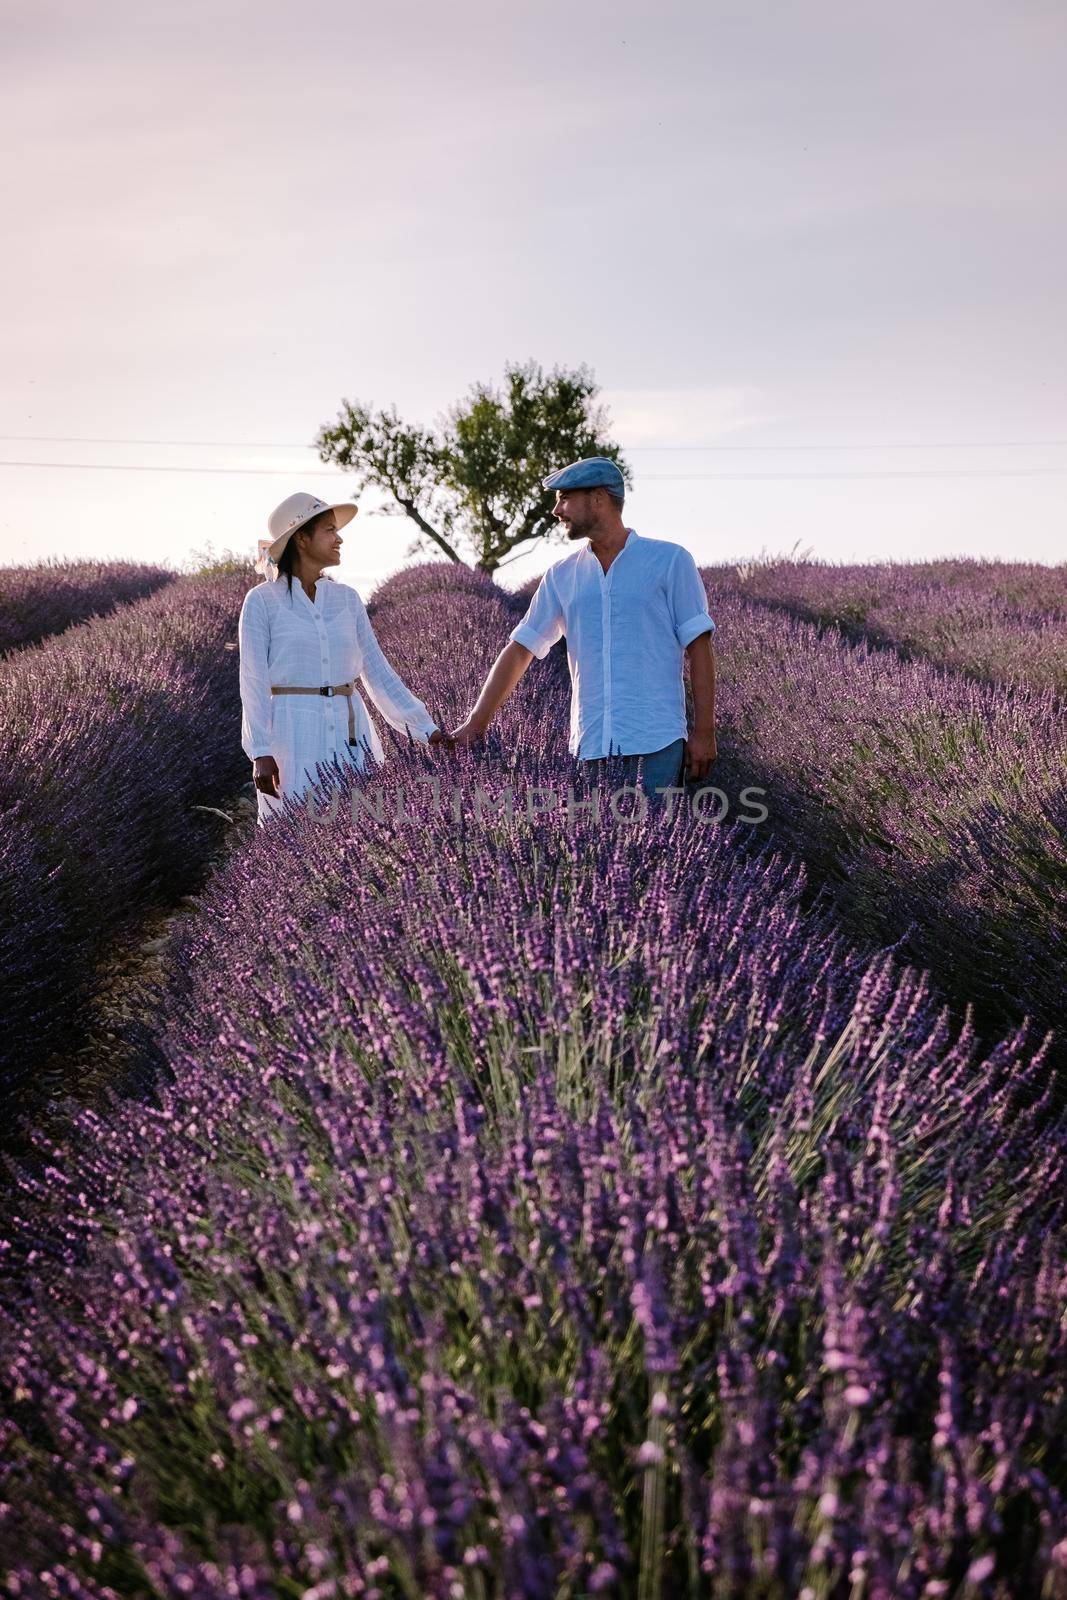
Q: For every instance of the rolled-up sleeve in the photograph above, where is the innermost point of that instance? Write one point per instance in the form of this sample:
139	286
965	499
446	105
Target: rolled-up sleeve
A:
400	708
688	600
253	637
542	626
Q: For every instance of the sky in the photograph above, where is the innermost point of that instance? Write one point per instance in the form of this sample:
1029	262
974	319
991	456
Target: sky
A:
815	254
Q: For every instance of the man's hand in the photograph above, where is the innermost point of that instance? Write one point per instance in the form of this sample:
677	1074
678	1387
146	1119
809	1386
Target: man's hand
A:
266	777
700	752
438	737
466	734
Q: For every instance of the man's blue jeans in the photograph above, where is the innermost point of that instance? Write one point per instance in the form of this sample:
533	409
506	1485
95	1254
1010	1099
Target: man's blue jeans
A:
660	769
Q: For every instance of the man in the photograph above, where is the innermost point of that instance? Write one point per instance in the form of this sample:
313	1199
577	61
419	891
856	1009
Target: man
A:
629	608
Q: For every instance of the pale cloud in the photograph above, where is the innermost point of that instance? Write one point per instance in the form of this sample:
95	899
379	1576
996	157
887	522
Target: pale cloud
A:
685	416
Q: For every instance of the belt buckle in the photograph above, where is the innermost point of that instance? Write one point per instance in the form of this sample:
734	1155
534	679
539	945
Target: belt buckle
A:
327	690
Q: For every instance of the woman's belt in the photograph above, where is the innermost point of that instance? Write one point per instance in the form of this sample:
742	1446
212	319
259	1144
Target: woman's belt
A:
329	690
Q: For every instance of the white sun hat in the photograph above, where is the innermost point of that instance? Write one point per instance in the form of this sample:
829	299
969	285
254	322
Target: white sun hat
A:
292	514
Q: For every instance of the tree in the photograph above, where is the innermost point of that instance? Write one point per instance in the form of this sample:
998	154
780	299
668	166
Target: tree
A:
474	483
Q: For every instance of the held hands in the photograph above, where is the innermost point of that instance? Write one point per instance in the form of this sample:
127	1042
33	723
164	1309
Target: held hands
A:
466	734
700	752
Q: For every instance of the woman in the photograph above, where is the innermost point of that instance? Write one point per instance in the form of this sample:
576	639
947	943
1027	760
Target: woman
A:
304	641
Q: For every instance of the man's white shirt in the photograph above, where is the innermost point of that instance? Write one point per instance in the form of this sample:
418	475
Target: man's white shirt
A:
626	632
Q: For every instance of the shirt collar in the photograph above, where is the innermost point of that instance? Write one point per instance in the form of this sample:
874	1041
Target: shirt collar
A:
632	537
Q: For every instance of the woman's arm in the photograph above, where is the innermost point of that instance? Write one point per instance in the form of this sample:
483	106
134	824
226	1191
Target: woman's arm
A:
400	708
253	637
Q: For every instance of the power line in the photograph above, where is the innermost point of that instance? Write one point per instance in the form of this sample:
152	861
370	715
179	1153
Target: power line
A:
675	477
958	444
929	472
189	444
251	444
128	466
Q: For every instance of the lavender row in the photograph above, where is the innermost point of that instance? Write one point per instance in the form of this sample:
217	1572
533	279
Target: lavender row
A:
934	806
110	736
999	622
542	1205
44	599
439	580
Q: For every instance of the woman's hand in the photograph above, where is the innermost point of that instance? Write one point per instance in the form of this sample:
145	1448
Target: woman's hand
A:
438	737
266	777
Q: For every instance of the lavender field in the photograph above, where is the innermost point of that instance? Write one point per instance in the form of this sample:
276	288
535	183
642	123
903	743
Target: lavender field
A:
40	600
999	622
110	736
932	807
532	1202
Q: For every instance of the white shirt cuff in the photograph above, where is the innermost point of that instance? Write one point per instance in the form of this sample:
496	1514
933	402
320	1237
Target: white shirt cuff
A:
526	636
688	631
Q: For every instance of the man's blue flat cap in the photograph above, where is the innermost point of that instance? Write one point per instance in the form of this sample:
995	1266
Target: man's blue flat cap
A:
595	472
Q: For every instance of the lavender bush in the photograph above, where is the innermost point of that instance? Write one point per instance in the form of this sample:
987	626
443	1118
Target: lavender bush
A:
109	736
448	580
40	600
998	621
935	806
540	1207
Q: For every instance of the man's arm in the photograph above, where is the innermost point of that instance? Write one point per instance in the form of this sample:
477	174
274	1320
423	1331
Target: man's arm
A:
503	679
700	747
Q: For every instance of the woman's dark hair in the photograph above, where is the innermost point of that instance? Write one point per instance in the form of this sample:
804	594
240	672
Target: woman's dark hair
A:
287	559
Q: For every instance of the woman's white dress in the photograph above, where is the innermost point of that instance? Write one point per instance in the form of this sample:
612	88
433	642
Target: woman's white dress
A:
286	639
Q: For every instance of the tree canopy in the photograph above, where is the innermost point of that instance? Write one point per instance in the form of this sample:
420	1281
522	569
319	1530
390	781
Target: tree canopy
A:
472	485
